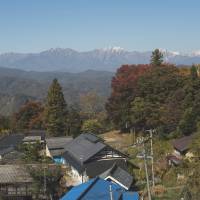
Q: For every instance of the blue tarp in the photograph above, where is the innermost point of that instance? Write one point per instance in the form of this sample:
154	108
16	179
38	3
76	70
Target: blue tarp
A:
99	189
59	160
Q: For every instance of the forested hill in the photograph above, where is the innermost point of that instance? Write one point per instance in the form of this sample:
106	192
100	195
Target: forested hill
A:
17	86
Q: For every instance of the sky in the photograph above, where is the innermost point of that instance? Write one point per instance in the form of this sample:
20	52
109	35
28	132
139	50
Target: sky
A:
37	25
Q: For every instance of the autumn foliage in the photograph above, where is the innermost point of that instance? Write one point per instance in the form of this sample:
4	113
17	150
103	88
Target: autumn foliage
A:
164	97
124	89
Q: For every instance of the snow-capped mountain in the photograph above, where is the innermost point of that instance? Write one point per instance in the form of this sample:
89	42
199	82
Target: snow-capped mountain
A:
105	59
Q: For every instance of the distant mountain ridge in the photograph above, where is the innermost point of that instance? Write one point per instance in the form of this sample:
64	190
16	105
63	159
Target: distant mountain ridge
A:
69	60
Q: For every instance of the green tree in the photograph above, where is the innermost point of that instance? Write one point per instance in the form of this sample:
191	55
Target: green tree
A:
145	114
92	126
188	123
53	175
156	57
74	121
193	72
55	110
31	152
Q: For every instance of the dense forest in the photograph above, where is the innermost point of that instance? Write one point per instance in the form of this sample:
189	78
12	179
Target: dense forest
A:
159	96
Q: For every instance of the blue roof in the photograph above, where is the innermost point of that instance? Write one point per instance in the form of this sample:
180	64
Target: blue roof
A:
130	196
99	189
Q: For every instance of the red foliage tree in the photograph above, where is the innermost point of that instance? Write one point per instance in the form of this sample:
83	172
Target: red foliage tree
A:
124	89
29	116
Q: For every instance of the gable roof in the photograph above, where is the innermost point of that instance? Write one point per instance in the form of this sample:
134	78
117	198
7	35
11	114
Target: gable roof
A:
57	145
10	142
182	144
14	174
118	175
99	189
41	133
58	142
83	147
79	154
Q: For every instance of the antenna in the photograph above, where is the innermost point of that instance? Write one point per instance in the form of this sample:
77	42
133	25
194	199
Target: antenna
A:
111	195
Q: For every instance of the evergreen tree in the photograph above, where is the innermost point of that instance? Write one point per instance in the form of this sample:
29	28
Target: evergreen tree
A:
74	121
193	72
156	58
55	110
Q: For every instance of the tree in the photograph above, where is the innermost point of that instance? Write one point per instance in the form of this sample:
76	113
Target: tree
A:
29	116
193	71
31	152
156	58
145	114
124	90
188	123
74	121
55	110
53	175
91	104
92	126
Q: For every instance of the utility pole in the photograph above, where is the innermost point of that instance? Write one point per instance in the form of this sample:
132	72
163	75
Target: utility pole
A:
146	172
133	135
152	159
44	169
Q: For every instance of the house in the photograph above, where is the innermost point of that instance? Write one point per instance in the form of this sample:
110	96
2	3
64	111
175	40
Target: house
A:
99	189
9	143
88	156
33	136
182	145
119	176
55	147
15	182
181	150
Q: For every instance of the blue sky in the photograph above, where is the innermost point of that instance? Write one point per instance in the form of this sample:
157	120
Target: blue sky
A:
36	25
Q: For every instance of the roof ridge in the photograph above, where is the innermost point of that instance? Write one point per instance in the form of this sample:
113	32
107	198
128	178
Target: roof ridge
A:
88	188
114	166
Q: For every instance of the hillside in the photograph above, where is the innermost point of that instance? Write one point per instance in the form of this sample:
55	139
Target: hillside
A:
17	86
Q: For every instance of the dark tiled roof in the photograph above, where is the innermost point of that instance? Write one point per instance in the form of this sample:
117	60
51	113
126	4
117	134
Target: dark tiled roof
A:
96	168
10	142
182	144
58	142
83	147
14	174
81	151
6	150
120	175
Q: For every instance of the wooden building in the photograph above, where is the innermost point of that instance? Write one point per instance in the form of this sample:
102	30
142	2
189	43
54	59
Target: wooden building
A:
88	157
15	183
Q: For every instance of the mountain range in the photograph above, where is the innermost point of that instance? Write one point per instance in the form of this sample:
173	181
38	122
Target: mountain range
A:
106	59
